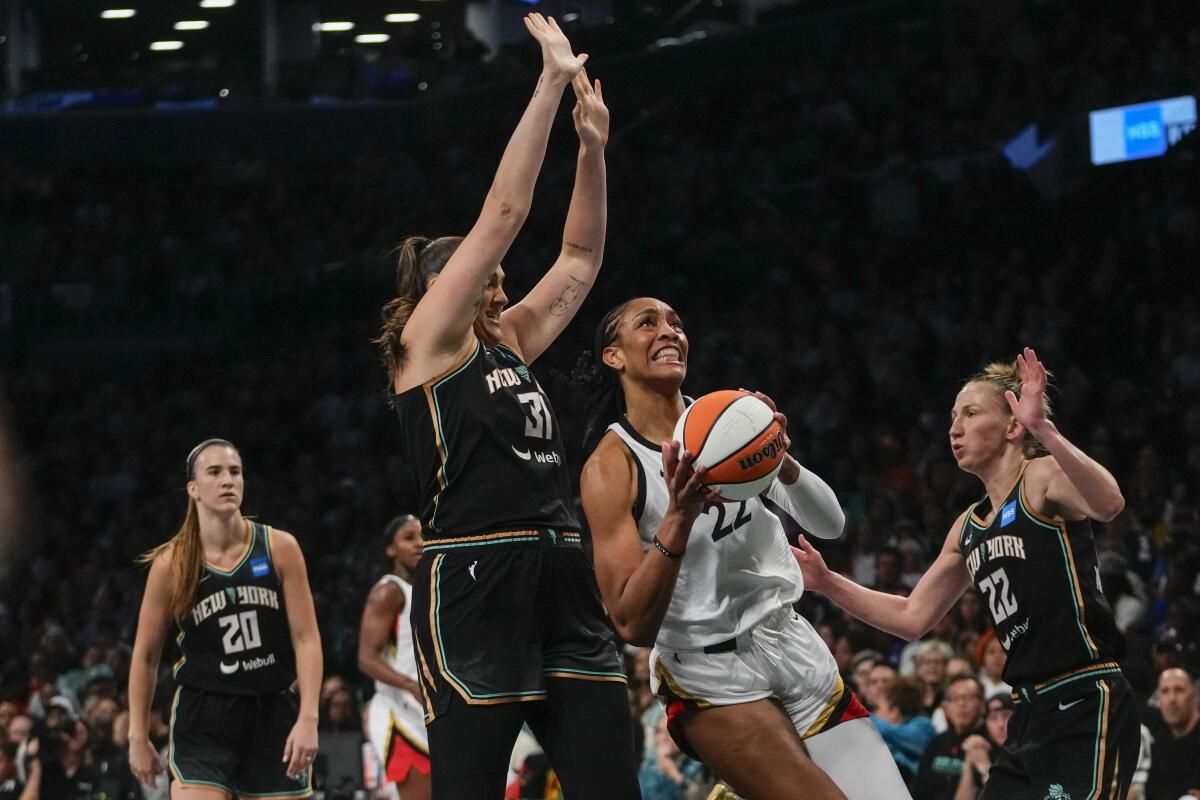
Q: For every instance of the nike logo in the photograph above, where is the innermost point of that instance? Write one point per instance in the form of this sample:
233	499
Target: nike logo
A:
227	669
1064	706
522	454
471	570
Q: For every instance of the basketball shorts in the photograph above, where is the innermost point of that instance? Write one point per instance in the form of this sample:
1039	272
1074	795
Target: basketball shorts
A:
781	657
1072	737
235	743
492	621
395	722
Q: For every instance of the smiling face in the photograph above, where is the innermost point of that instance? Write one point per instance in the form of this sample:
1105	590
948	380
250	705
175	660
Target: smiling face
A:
981	426
217	482
650	346
491	305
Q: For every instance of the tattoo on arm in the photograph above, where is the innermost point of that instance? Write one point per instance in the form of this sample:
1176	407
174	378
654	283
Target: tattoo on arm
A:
580	247
562	304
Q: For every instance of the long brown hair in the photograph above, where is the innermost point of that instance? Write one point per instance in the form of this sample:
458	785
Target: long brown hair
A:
1006	376
419	260
187	559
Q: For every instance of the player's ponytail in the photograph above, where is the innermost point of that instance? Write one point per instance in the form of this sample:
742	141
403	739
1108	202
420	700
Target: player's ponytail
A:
418	260
601	384
187	557
1006	376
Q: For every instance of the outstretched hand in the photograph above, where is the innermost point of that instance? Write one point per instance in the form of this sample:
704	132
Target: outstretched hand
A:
558	61
812	565
1028	409
590	113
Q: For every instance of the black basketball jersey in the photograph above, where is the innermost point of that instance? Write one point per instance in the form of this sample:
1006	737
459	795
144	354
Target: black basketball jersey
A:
484	451
236	639
1040	580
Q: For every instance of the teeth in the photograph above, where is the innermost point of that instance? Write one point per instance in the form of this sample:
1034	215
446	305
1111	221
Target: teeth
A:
668	353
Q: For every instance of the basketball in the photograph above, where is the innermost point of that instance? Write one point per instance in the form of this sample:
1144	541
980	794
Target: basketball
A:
737	438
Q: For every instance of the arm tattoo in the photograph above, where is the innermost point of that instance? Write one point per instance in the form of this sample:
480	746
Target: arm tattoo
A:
562	304
580	247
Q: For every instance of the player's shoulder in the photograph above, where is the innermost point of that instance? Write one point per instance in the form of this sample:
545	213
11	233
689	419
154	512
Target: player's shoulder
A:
609	462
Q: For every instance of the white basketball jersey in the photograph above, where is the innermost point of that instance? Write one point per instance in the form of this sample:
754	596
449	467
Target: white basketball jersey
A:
399	650
738	568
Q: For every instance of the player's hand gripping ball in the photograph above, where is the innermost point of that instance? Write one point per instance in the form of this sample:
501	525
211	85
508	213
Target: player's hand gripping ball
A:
737	438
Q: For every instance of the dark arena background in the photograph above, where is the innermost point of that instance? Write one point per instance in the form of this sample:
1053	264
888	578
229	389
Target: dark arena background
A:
853	206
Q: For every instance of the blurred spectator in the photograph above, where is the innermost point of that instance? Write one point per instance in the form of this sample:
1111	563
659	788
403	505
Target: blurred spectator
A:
932	659
941	767
339	713
901	722
671	775
860	671
11	785
1175	751
991	656
879	681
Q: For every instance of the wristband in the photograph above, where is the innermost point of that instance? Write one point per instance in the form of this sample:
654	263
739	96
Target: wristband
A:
662	549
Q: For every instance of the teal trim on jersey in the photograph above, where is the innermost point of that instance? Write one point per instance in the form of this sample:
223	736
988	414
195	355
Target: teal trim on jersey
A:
445	663
1075	590
240	564
171	752
1097	765
621	675
434	547
437	407
1080	677
266	532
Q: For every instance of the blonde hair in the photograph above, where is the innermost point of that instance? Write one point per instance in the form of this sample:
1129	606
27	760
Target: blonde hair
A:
1006	376
187	557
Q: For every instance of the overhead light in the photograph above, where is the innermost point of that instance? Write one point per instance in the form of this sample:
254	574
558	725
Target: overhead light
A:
166	45
407	16
372	38
334	27
191	25
117	13
217	3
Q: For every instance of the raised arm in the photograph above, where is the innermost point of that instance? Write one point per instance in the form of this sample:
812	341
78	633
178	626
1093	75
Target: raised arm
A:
534	323
153	622
636	585
385	601
907	617
440	324
301	746
1069	484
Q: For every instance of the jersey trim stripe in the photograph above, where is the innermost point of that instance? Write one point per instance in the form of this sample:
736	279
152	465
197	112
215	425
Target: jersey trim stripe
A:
839	689
1101	743
182	658
464	691
435	413
586	675
533	535
1090	671
674	689
1064	542
284	795
405	735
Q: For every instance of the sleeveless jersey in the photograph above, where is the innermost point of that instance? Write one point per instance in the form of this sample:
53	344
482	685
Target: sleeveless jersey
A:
738	568
398	653
484	451
236	639
1040	580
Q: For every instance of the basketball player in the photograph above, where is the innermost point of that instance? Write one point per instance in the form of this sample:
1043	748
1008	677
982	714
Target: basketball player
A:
747	682
385	652
1028	547
238	592
508	624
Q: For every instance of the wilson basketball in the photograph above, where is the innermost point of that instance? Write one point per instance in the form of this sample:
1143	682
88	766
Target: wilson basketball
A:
736	436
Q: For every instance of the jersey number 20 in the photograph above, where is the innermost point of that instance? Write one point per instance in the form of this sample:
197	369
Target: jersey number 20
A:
241	632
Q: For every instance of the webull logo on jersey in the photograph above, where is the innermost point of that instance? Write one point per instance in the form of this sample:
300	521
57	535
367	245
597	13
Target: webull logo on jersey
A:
241	595
248	665
1018	630
769	450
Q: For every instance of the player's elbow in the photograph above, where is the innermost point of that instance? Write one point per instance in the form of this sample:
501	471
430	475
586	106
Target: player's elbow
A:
635	632
1113	505
506	210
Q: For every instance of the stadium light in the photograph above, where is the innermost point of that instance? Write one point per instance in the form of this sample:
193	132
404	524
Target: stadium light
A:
166	45
117	13
217	3
408	16
372	38
191	25
335	27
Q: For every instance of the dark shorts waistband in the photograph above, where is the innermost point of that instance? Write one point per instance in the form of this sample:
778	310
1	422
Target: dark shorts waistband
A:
532	537
1027	691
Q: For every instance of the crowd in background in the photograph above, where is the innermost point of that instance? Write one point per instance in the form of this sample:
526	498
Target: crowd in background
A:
823	241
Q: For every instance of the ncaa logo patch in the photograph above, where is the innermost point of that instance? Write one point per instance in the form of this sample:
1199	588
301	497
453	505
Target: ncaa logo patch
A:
259	566
1008	514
